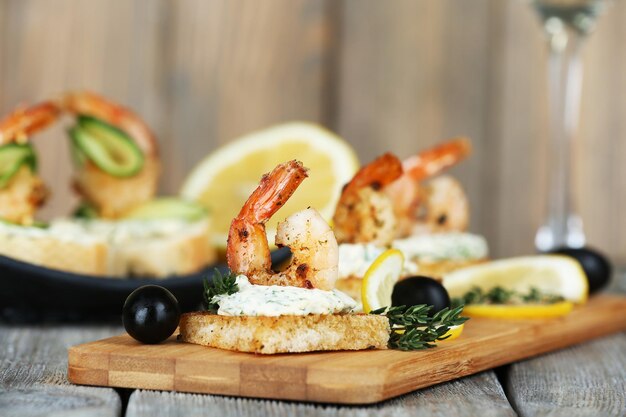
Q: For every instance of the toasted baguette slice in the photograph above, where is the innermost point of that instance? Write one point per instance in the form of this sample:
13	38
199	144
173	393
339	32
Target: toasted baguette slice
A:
114	249
40	247
283	334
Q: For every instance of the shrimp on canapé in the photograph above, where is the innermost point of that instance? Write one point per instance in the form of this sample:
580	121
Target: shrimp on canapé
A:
306	233
22	191
113	195
364	213
387	199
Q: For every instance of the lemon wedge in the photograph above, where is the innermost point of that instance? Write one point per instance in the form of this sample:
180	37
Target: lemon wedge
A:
225	178
379	280
555	275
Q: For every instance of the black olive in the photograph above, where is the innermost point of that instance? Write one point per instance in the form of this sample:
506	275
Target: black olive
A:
151	314
596	266
420	290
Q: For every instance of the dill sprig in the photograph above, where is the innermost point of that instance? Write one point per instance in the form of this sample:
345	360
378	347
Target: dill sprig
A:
220	284
500	295
413	329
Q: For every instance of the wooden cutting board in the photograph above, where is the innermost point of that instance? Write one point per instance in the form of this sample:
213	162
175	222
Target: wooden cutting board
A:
338	377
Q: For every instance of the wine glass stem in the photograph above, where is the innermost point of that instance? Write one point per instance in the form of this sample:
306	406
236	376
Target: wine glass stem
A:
563	227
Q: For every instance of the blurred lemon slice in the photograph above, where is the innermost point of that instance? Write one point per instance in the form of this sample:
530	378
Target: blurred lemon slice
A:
225	178
454	332
379	280
555	275
524	311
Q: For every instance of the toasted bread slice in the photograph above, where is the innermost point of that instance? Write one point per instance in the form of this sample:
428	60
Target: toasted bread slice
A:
40	247
283	334
114	249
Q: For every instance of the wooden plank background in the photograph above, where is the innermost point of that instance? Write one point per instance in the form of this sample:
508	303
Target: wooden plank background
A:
394	75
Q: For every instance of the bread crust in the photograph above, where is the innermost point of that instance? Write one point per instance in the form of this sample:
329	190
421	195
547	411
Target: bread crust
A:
285	334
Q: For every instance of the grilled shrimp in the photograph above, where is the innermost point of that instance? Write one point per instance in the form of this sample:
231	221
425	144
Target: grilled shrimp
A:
386	199
112	196
364	212
25	191
311	240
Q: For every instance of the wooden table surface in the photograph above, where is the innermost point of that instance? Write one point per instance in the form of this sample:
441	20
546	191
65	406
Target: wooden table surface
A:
585	380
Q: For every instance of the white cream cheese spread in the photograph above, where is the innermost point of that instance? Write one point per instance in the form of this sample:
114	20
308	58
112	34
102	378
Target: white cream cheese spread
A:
443	246
120	231
274	300
96	230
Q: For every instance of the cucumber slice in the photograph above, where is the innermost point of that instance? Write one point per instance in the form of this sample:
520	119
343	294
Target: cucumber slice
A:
107	147
78	156
12	157
168	208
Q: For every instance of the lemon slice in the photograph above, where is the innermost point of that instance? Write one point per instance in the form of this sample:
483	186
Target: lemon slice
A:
224	180
556	275
379	280
530	311
454	332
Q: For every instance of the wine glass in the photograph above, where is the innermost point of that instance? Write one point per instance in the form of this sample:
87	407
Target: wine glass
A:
566	24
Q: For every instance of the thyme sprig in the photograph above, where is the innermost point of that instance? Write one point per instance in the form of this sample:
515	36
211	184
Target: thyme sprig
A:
413	329
220	284
500	295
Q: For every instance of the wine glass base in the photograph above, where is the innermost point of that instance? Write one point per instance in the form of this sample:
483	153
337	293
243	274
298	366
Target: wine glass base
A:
571	235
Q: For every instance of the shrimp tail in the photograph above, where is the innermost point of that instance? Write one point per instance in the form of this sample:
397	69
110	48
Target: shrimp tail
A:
377	174
437	159
25	121
273	191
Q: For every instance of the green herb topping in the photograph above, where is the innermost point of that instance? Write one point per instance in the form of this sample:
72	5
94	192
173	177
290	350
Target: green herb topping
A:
499	295
219	285
413	329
